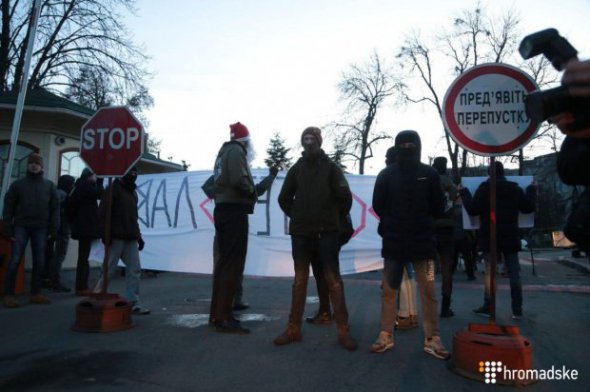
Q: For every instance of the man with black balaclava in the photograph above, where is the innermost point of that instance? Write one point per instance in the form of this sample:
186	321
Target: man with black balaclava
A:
315	196
126	241
408	199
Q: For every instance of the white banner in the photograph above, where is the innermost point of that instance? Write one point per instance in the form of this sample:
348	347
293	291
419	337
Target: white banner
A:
176	221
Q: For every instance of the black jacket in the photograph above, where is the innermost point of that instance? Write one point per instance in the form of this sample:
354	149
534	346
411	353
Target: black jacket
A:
510	200
407	202
315	195
124	223
82	209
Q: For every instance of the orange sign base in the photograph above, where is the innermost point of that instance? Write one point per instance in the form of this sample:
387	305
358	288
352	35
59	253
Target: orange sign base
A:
103	313
492	352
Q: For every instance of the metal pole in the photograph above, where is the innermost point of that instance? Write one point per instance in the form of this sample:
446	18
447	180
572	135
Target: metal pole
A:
107	237
493	247
20	102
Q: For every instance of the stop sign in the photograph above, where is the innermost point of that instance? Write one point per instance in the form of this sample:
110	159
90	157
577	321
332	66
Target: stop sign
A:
111	141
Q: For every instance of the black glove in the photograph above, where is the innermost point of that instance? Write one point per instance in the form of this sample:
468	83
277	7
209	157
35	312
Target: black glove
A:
274	171
140	243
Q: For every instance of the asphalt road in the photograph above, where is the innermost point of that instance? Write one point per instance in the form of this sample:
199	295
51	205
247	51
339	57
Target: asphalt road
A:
173	349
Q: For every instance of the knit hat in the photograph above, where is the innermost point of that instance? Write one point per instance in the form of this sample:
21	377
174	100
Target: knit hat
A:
239	132
440	165
316	132
86	173
35	158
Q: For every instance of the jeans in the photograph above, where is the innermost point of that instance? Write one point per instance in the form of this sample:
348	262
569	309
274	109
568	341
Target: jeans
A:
231	233
424	274
38	238
127	251
59	254
513	269
324	248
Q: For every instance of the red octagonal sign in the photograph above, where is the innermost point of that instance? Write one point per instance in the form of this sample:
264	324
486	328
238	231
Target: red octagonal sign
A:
111	141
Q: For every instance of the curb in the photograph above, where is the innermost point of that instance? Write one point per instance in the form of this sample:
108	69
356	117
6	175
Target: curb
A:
583	265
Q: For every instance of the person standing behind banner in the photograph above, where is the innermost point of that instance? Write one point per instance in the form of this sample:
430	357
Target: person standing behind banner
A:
445	232
408	198
31	211
82	212
235	198
126	240
510	200
315	195
57	249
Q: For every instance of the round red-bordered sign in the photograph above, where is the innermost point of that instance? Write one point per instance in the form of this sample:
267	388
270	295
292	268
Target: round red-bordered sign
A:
484	109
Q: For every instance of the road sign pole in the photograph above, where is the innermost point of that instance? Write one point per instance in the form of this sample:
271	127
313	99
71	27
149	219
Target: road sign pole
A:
107	236
493	245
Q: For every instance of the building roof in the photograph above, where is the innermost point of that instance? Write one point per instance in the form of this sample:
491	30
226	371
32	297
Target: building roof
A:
42	100
148	157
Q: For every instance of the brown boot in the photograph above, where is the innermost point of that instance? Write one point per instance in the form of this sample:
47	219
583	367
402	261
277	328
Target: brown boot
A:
345	339
39	299
10	302
291	335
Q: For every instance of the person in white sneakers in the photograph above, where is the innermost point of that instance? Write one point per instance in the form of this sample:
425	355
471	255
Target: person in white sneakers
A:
408	198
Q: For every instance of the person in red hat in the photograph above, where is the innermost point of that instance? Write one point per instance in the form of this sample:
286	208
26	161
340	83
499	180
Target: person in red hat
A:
235	197
31	211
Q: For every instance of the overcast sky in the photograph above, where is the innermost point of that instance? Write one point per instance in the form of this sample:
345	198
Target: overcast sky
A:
274	64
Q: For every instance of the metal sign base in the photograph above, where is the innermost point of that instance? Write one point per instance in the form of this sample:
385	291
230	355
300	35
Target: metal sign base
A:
482	343
103	313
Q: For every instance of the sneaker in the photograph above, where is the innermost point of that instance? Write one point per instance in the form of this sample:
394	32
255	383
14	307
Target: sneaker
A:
483	311
136	309
320	318
10	301
517	315
404	323
434	346
39	299
383	343
240	306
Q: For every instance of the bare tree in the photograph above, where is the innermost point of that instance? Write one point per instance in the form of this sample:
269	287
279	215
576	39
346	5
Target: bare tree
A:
474	38
364	89
76	40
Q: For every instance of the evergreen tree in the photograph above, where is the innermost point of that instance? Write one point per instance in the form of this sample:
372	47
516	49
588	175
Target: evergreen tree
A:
277	153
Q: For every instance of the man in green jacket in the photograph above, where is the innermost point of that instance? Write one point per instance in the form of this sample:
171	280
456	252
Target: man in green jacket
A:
316	197
235	197
31	211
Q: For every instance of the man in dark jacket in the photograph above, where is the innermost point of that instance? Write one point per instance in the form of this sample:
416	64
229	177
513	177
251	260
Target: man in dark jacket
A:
235	197
56	250
445	235
408	198
82	211
126	241
31	211
315	195
510	200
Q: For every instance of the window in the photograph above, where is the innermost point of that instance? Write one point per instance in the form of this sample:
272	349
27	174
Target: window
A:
71	163
19	166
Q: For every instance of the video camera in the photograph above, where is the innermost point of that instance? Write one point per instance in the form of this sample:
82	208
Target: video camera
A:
541	105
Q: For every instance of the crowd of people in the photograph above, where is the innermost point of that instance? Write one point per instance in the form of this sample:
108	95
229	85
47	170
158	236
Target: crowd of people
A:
418	208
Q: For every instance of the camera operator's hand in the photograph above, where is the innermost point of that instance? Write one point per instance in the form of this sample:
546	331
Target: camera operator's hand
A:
577	76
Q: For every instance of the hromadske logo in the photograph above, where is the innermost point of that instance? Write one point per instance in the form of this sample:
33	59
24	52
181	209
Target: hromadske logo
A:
494	370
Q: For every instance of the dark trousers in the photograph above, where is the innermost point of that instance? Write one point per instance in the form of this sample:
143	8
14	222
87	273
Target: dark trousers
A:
231	231
321	285
82	266
55	254
466	247
445	251
323	248
38	238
